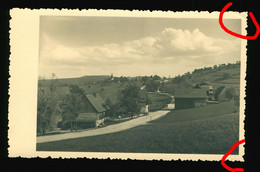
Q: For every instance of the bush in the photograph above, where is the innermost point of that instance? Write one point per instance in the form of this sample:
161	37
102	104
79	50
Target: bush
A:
230	93
218	91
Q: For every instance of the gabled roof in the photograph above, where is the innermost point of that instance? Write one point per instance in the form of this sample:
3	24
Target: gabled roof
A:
97	102
190	93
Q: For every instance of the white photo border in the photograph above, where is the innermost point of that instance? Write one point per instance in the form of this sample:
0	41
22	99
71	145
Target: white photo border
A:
24	46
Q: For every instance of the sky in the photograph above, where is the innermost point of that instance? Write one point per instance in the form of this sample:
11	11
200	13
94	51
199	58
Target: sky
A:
73	46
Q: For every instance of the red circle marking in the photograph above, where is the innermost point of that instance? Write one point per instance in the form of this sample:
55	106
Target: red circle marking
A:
227	154
236	34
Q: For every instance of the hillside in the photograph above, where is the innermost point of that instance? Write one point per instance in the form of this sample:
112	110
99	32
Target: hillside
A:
227	75
223	75
78	81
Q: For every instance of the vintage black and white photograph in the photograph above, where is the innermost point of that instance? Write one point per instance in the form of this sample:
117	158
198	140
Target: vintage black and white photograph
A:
139	84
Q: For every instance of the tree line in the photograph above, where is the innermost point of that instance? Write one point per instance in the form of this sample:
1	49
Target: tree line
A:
217	67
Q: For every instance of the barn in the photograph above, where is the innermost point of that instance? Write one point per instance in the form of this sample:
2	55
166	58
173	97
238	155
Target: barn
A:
92	111
190	98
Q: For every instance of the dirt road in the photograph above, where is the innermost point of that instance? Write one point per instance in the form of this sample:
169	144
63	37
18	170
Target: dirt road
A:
105	130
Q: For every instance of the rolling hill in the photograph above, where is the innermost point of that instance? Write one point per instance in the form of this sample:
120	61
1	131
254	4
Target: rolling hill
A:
227	75
78	81
224	75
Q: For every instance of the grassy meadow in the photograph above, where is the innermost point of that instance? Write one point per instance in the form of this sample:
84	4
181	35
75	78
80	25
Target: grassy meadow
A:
208	130
216	77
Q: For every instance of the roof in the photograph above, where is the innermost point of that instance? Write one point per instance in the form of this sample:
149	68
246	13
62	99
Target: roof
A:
190	93
97	102
196	86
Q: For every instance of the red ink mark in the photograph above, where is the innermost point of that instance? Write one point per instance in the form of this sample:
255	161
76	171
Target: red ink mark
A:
236	34
227	154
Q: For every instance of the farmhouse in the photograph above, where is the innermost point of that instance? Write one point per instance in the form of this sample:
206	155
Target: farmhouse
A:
92	111
190	98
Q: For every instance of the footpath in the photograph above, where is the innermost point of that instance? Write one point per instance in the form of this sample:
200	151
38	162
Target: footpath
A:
104	130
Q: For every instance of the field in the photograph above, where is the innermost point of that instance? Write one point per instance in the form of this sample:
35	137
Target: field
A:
209	130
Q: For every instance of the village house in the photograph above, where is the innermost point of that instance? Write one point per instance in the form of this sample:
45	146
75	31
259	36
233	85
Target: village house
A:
143	100
171	105
91	114
190	98
209	88
92	111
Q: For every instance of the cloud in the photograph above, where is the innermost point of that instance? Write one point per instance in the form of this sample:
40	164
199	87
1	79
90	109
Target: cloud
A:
180	42
169	46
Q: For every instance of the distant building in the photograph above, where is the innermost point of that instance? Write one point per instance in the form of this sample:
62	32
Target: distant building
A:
143	101
143	87
209	88
171	105
92	111
197	86
165	81
190	98
144	109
